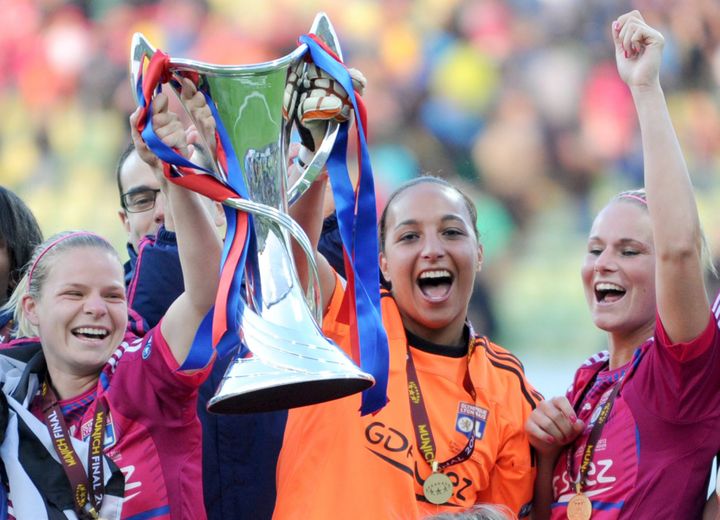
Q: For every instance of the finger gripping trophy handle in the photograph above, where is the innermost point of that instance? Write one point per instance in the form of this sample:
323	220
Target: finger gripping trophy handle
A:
140	49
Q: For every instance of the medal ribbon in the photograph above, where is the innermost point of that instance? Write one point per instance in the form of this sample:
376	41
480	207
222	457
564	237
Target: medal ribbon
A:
356	211
600	422
222	322
421	422
595	433
79	481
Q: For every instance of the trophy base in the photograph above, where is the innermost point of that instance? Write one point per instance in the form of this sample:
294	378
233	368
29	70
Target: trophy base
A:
292	395
260	387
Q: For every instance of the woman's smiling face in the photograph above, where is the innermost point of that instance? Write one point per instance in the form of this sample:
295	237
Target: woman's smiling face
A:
81	311
431	256
619	269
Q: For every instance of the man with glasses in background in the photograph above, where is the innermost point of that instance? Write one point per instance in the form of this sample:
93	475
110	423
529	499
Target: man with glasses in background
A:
142	213
142	210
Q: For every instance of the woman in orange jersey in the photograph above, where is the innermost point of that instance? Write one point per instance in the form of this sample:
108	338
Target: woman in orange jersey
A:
452	432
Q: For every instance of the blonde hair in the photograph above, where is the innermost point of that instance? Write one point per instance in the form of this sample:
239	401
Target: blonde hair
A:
39	267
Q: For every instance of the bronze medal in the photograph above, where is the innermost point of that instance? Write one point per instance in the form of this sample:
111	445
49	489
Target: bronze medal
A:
438	488
579	507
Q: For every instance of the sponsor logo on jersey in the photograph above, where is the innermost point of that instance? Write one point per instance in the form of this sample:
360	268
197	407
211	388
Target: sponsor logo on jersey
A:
395	448
147	349
600	481
470	416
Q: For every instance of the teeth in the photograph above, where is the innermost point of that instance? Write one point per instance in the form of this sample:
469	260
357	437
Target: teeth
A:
440	273
91	331
605	286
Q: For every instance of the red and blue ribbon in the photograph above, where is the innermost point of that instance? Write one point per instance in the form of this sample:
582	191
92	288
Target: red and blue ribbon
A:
221	323
356	213
357	220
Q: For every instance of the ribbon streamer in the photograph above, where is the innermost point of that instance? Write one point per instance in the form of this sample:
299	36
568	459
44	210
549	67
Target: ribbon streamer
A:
224	326
356	211
357	220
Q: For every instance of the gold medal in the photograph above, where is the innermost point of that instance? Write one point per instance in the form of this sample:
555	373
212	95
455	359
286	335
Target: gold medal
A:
579	507
438	488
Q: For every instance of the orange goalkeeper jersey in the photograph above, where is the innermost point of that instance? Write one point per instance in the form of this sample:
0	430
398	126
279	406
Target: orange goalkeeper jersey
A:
336	464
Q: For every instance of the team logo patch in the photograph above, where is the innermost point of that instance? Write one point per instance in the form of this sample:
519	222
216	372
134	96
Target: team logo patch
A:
468	416
147	349
110	438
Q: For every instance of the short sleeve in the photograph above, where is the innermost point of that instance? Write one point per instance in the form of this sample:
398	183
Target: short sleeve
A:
679	381
147	367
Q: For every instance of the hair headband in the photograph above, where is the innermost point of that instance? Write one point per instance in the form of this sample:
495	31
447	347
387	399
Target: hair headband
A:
633	196
53	244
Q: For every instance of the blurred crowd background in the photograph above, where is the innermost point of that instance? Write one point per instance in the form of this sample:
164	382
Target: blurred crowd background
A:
517	101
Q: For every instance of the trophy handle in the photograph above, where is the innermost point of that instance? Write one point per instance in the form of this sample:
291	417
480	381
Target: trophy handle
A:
312	293
315	166
140	48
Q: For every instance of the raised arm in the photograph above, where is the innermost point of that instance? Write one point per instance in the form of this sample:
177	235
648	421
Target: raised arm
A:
308	213
681	298
318	104
199	246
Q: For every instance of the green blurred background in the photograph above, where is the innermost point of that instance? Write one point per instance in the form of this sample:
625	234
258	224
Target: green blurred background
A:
517	101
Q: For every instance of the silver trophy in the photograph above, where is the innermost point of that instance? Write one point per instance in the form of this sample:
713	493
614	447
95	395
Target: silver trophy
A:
292	364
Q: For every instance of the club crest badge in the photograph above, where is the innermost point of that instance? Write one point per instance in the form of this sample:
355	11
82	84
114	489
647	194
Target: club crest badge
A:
109	437
471	419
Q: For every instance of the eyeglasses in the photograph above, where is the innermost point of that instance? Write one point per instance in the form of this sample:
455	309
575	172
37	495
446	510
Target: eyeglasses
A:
137	201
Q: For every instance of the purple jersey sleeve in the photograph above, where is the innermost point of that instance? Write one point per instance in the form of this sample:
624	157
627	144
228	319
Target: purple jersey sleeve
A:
679	380
155	433
152	375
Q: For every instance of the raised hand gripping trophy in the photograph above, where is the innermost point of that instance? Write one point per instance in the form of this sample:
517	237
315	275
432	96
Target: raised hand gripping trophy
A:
291	363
